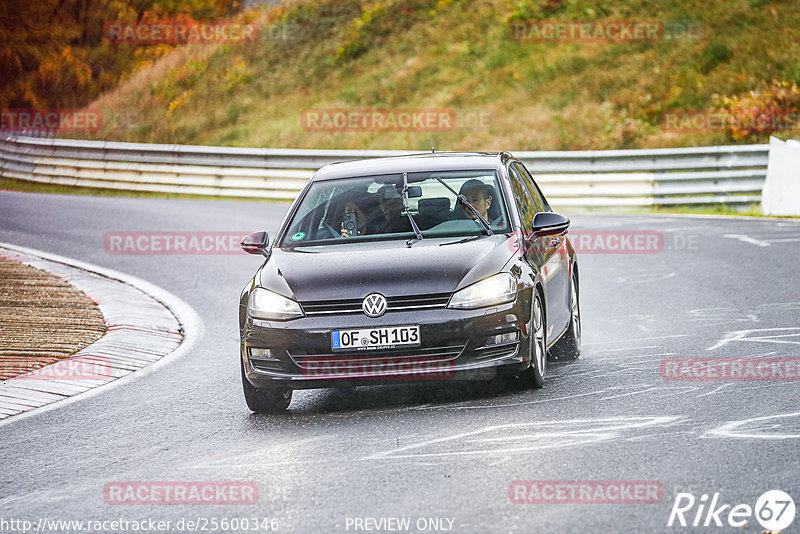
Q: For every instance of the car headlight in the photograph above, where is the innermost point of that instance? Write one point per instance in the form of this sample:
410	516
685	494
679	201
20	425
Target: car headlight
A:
265	304
497	289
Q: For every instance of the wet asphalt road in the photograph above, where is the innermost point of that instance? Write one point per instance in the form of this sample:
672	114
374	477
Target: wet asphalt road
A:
719	288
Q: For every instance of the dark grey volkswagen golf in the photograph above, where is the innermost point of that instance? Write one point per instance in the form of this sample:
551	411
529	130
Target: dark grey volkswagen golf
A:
443	266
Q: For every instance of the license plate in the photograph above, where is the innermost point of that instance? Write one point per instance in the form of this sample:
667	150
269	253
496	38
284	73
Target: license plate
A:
375	338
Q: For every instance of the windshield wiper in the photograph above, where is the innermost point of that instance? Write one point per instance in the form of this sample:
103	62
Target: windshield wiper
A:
464	201
465	240
408	212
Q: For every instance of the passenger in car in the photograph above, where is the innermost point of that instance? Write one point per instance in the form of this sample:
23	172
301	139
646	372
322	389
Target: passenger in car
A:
362	207
391	205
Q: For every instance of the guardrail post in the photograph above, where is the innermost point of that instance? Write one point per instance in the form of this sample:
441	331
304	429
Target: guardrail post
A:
781	195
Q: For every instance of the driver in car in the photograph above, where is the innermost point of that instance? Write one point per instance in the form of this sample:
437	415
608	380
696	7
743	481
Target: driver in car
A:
476	193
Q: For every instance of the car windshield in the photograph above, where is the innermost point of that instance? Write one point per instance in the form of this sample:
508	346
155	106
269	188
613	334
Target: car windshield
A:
372	208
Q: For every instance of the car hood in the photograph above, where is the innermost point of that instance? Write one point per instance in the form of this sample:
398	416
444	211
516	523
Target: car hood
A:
352	271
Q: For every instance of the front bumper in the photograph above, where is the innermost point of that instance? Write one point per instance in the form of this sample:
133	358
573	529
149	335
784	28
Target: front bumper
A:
453	347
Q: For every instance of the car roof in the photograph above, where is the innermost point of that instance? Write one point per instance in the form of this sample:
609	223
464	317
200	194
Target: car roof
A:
440	161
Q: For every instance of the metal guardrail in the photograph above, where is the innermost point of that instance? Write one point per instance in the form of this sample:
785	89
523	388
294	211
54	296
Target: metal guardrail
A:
720	174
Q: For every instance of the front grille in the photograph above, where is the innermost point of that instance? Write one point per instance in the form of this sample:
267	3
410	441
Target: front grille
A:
350	306
311	359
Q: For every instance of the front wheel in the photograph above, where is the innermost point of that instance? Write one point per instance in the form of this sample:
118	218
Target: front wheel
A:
569	346
538	346
268	400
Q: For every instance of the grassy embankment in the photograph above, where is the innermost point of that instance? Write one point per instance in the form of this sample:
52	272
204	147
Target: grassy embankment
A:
458	55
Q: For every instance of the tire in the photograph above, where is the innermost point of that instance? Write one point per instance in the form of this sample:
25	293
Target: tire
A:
569	346
537	372
269	400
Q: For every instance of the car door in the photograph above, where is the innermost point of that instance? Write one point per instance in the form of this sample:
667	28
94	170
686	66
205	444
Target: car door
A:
538	252
561	275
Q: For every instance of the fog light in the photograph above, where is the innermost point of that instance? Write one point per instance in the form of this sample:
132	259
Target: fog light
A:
261	354
503	339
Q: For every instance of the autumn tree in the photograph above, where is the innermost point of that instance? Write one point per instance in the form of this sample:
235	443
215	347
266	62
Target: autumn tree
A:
52	52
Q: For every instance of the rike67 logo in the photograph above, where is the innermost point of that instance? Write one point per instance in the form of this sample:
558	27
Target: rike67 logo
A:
774	510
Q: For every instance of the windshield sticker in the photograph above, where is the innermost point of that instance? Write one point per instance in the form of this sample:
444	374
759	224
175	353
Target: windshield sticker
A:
298	236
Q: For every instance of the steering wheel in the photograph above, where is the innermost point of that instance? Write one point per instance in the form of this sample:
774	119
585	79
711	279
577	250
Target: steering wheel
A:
332	231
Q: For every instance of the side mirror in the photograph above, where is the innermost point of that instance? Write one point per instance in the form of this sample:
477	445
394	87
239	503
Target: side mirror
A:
256	243
549	223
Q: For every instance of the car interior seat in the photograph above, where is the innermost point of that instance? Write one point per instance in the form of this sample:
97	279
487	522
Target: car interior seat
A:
433	211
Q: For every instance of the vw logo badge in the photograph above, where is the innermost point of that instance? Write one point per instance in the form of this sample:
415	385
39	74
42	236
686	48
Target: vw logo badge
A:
374	305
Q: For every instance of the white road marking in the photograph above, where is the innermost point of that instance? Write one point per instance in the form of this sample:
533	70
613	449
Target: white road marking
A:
715	390
785	240
620	350
662	435
747	239
548	434
633	366
540	401
739	388
738	429
761	336
763	354
781	305
618	341
680	390
643	278
616	358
